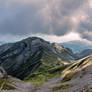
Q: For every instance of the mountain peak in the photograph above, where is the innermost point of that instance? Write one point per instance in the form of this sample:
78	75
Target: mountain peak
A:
26	56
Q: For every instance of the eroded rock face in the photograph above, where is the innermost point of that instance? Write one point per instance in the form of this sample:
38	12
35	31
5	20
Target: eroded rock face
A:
20	58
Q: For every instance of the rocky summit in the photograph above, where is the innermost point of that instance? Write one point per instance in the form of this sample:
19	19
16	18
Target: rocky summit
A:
23	58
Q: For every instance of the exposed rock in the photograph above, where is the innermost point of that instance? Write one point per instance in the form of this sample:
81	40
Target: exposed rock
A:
78	75
20	58
3	73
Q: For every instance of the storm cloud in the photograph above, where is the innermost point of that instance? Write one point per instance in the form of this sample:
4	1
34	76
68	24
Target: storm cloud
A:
50	17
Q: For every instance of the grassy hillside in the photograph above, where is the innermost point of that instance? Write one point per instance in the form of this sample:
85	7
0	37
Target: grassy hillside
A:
51	66
34	57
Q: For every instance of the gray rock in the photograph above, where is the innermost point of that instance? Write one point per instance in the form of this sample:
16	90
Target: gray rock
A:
20	58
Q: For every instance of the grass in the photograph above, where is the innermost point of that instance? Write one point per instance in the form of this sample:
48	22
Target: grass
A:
6	86
62	87
41	78
68	77
51	66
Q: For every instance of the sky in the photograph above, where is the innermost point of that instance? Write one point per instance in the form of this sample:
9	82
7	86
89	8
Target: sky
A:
53	20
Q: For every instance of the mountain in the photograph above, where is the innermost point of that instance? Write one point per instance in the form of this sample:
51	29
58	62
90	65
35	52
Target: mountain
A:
83	54
77	45
36	61
2	42
34	57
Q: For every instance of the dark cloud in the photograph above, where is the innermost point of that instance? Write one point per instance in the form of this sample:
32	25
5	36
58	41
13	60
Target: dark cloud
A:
22	17
85	28
68	7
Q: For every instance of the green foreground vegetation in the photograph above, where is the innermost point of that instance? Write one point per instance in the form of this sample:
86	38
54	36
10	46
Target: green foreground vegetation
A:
51	66
5	84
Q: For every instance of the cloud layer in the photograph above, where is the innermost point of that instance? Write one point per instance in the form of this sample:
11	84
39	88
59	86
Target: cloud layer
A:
50	17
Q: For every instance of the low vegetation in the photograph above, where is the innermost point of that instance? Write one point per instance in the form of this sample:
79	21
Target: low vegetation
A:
62	87
69	72
40	78
51	66
68	77
5	84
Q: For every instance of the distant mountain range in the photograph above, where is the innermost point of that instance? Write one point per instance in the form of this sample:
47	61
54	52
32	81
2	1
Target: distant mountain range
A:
2	42
77	45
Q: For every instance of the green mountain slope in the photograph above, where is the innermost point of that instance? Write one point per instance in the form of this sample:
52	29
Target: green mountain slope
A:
33	57
51	65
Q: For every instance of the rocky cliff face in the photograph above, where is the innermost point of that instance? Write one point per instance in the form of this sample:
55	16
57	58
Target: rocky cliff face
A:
21	58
